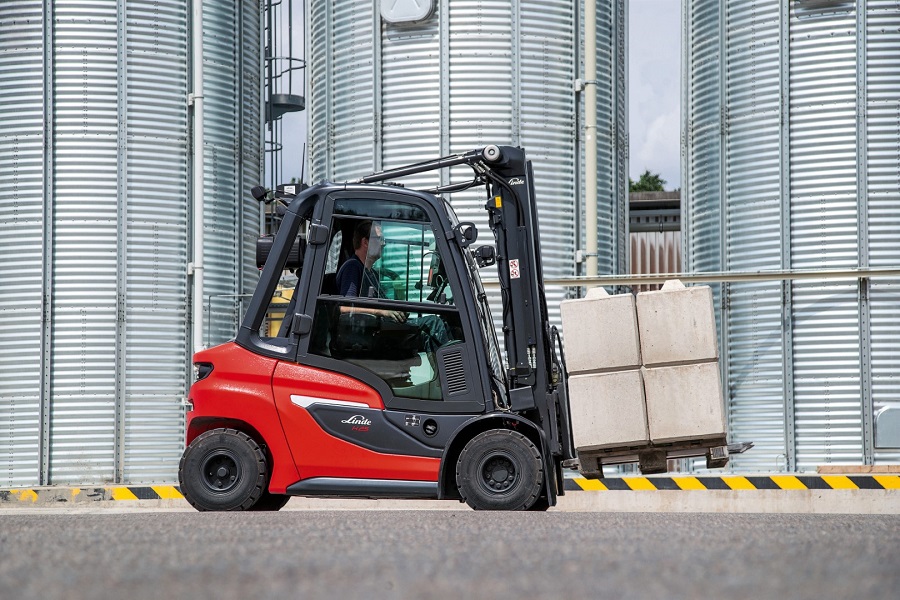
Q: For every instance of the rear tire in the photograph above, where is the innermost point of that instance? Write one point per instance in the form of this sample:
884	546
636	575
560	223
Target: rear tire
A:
500	469
222	469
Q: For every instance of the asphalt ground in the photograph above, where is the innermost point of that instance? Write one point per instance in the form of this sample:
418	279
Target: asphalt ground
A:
445	554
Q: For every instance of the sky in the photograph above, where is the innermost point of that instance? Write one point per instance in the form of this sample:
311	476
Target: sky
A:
654	94
654	89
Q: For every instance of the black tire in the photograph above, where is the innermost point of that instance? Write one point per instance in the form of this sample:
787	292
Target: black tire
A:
500	469
270	502
223	469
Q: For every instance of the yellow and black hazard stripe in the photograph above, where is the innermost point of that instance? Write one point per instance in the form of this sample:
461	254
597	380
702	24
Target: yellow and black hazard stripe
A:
738	482
55	495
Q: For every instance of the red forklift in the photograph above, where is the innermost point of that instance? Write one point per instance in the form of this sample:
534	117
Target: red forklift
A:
368	365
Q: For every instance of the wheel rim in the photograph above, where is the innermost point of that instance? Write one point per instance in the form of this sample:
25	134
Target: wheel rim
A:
220	471
498	473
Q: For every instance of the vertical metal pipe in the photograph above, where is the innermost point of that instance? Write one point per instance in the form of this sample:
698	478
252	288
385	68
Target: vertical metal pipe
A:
726	290
862	195
686	145
47	217
590	136
515	71
240	29
261	90
576	151
377	100
624	140
444	26
329	92
122	239
787	305
197	172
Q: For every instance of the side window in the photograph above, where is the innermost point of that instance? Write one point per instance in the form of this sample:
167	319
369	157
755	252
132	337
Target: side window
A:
333	258
393	309
276	323
410	267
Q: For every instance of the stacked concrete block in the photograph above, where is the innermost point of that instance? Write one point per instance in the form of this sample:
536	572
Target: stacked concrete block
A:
601	332
681	372
677	325
608	410
603	356
643	369
684	402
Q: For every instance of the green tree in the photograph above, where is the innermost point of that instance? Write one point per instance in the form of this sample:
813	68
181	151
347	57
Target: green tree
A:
648	182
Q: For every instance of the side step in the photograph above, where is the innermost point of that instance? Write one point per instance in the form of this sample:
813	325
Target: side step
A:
345	487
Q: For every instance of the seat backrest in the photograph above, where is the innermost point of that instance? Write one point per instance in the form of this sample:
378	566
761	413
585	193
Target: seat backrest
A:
329	284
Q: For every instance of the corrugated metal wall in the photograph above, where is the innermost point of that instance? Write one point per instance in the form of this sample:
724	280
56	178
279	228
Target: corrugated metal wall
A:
155	239
85	243
22	210
825	234
232	93
94	139
791	146
476	72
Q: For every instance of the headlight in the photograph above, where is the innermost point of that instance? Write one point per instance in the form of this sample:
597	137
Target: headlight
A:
202	370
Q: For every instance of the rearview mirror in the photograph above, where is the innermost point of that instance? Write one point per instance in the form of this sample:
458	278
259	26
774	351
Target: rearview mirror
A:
485	256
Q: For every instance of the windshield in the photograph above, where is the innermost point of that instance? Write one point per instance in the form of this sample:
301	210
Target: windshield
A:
489	333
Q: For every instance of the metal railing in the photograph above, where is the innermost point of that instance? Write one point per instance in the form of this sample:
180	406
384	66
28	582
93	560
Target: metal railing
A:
719	277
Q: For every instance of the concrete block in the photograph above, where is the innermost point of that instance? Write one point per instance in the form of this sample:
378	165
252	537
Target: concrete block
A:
600	333
684	402
677	325
608	410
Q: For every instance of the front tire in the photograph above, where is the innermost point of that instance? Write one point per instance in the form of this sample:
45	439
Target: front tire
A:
222	469
500	469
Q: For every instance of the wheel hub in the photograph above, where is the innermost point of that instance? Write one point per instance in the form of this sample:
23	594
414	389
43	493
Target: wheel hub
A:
498	473
220	471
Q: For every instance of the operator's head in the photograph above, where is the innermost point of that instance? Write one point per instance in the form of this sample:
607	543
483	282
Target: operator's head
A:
367	238
360	233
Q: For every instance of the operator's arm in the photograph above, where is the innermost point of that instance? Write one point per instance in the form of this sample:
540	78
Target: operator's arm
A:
349	280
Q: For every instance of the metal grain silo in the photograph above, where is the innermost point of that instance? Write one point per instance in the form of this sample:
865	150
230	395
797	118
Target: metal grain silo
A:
467	74
95	226
791	145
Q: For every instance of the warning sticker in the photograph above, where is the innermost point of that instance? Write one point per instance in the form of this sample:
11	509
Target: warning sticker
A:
514	269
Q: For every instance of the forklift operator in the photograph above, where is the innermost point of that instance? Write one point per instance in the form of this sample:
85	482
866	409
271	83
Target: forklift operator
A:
357	278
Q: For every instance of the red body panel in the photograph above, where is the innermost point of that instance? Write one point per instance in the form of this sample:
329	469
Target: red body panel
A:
255	390
320	454
240	389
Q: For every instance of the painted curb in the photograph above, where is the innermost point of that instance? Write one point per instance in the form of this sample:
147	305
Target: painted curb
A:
53	495
737	482
72	495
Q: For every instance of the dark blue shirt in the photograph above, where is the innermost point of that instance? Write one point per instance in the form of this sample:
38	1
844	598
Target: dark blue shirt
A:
355	280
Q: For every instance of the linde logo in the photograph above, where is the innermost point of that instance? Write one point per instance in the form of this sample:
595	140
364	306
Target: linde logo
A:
357	420
516	181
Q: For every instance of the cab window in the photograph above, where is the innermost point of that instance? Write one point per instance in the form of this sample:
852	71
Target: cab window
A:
388	307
